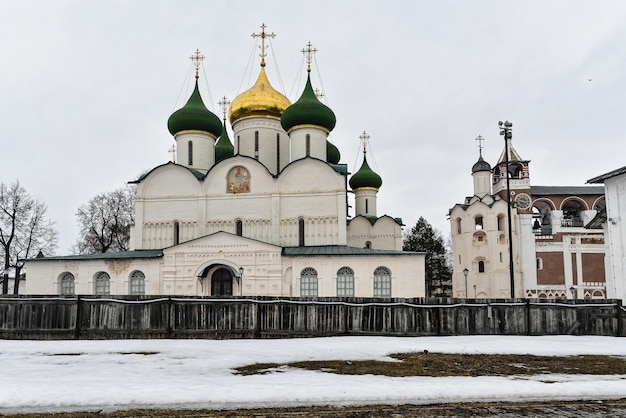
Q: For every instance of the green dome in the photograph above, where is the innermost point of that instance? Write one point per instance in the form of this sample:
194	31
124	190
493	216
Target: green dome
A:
332	153
223	148
308	110
365	177
194	116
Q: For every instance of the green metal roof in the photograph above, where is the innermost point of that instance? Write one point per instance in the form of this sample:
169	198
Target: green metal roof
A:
123	255
223	148
340	168
339	250
308	110
332	153
194	116
365	177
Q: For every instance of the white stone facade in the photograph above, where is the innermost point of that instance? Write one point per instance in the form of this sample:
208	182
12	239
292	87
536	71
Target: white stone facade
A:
270	220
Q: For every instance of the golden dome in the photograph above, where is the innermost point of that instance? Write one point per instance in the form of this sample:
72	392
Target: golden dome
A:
259	100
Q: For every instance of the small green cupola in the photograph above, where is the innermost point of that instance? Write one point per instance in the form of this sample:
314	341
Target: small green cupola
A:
224	148
333	156
194	116
365	177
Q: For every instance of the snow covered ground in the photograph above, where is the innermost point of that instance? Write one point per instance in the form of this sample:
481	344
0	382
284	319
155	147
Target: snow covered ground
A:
87	375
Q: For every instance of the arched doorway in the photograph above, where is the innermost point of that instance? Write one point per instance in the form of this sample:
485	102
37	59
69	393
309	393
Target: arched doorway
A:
222	282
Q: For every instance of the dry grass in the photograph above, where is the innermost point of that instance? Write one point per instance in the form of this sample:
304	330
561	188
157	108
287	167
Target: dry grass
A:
438	365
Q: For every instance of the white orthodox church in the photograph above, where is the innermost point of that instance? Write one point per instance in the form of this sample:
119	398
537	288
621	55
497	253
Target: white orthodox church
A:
263	214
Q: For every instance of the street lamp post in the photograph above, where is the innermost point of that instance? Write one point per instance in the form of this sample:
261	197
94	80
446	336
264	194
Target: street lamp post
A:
465	271
241	281
573	291
474	291
506	130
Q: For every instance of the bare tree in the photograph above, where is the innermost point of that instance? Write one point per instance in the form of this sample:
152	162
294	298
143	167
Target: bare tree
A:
105	222
25	231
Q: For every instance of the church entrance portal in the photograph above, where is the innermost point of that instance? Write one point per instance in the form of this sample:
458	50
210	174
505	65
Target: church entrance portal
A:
222	283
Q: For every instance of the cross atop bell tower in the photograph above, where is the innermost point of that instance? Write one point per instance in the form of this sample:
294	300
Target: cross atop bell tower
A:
263	35
480	140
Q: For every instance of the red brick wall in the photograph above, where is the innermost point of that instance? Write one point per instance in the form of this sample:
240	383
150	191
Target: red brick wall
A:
553	269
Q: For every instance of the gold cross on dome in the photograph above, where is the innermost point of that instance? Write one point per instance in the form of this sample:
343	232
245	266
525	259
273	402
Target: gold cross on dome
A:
263	35
364	139
480	140
309	51
224	103
196	58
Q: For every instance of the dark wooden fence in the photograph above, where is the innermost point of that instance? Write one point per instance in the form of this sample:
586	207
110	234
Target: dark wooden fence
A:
89	317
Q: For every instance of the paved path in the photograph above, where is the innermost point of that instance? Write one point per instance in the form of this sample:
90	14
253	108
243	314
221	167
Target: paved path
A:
587	409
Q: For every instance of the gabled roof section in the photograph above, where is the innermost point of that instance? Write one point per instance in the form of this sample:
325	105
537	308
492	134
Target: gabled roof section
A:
122	255
488	200
215	235
374	219
341	250
605	176
196	173
513	155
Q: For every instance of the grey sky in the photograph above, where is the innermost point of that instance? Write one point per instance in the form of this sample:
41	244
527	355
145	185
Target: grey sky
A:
86	88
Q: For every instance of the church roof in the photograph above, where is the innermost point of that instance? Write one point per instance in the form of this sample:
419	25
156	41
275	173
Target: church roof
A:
259	100
122	255
224	148
481	165
365	177
566	190
601	178
194	116
340	250
308	110
332	153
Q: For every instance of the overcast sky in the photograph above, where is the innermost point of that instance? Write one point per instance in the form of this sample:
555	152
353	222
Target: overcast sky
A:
86	88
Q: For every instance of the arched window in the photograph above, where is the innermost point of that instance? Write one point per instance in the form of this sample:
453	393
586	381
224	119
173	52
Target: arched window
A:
501	222
301	232
308	145
137	283
239	227
345	282
458	225
480	237
102	283
308	282
189	153
481	266
368	244
572	214
367	210
382	282
256	144
176	233
66	284
539	263
478	222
